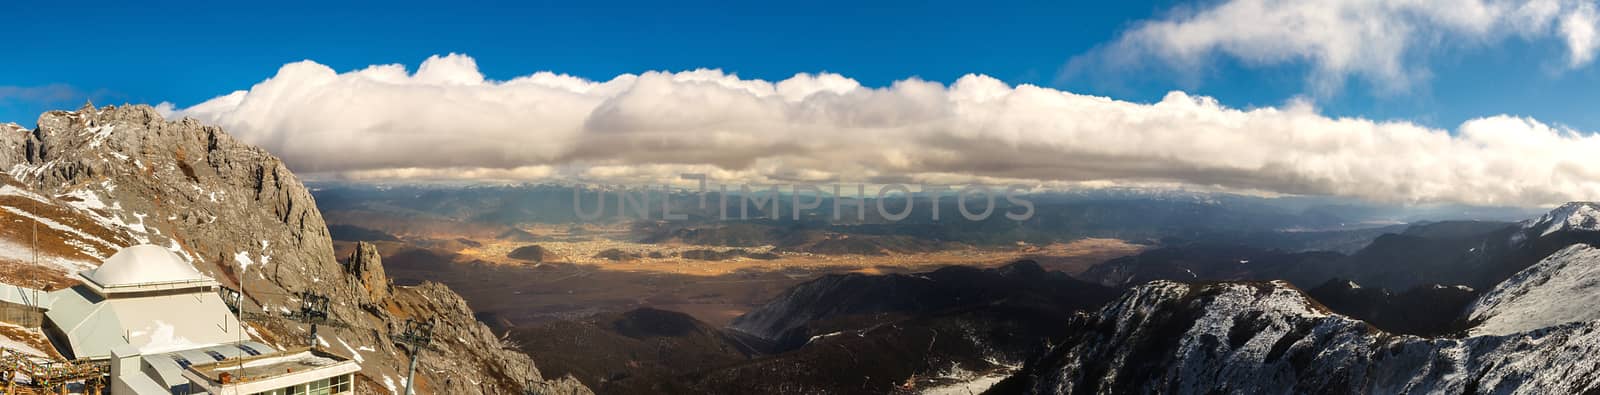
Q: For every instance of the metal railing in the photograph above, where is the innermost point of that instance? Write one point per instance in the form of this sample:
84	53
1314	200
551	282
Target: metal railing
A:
52	375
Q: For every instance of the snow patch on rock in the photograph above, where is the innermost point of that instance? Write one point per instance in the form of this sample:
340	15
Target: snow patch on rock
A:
244	260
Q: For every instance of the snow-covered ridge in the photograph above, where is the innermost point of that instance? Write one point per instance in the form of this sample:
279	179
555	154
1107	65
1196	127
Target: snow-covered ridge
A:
1574	216
1192	338
1562	288
1167	337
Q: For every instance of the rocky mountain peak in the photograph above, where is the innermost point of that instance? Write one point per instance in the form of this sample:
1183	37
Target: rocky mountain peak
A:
104	178
1573	216
1218	300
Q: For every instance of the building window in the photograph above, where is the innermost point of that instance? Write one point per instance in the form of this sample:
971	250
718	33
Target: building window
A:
336	385
319	387
341	384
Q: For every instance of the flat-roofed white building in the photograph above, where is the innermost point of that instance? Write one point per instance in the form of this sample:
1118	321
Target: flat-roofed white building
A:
240	368
297	371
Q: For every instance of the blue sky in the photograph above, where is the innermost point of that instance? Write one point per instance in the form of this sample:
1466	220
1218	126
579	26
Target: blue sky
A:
63	52
1462	101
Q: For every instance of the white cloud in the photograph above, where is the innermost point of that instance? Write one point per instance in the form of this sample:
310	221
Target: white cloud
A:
1579	30
446	120
1380	42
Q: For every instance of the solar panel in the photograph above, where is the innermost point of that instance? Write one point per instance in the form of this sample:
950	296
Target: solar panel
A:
217	355
248	350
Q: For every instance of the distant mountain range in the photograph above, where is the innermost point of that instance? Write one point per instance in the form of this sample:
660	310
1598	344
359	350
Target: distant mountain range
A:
1510	316
1168	217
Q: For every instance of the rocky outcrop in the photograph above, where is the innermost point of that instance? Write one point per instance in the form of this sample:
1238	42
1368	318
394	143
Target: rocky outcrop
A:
13	141
238	214
365	266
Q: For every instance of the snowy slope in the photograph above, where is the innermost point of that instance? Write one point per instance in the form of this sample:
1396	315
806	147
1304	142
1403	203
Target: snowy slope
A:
1562	288
1572	217
1167	337
69	239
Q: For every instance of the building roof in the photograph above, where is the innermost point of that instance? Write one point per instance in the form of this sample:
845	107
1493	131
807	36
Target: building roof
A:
25	296
142	268
94	324
269	372
144	296
168	368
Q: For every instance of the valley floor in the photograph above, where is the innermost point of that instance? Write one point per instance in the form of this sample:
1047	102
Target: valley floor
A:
507	292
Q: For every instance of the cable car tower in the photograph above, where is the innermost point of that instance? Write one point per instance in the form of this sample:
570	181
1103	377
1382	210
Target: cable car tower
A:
417	336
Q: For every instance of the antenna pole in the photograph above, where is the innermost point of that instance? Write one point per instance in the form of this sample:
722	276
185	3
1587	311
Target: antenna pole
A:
243	269
36	285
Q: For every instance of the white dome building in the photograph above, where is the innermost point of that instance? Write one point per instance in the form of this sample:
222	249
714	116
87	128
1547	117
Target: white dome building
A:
163	329
145	268
144	296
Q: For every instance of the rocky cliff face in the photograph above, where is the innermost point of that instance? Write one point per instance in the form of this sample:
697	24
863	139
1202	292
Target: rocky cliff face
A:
109	177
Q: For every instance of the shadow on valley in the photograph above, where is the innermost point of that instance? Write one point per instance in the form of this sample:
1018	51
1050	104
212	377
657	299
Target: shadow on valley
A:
623	332
839	333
